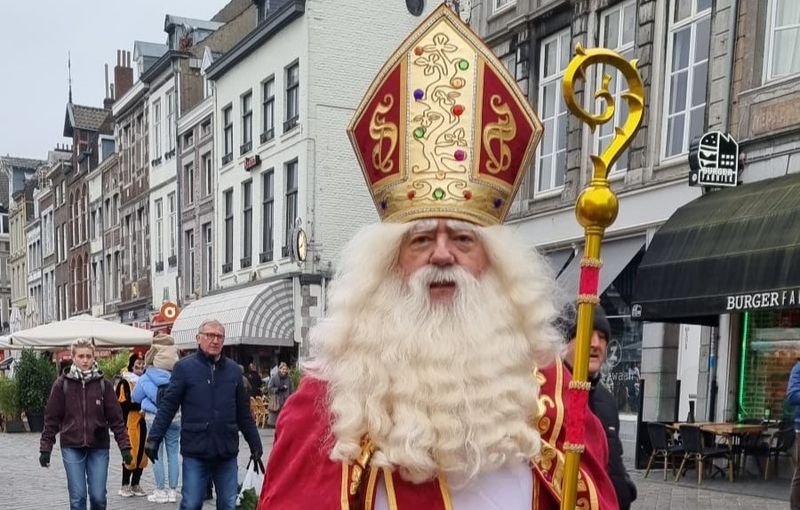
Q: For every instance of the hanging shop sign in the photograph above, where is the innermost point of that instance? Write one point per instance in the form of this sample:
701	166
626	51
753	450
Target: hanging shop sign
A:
714	160
252	162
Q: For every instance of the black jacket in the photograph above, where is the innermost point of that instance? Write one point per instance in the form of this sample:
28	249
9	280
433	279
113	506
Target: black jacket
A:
604	406
214	407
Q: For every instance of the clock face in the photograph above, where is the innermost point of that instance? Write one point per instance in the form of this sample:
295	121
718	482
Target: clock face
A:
301	245
415	7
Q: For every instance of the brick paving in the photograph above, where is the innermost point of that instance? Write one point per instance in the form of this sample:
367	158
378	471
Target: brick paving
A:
26	486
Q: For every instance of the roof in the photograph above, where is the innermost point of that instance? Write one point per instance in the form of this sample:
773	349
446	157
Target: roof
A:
88	118
727	251
21	162
148	49
192	23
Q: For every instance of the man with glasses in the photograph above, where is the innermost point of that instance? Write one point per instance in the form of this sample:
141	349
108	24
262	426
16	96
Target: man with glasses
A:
214	405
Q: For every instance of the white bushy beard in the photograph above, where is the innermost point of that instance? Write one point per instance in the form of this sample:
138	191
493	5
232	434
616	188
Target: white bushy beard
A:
438	387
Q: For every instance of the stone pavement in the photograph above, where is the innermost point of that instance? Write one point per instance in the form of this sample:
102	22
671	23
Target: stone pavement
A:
26	486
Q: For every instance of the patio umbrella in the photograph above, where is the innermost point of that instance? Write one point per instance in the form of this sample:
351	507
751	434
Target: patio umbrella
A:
104	333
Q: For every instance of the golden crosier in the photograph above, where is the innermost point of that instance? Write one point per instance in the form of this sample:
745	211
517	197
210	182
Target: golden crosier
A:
596	208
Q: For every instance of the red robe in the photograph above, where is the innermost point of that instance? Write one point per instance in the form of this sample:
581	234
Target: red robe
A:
300	476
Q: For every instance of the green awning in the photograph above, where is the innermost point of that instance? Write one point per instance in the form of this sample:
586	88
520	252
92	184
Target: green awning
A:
730	250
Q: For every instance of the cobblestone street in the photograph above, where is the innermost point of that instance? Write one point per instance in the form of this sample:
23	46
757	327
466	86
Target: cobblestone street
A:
26	486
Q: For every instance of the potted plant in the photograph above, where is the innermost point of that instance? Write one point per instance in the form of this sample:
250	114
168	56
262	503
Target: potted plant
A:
9	405
35	375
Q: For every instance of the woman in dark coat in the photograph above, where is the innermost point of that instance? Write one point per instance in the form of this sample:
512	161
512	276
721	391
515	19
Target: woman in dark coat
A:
137	429
280	387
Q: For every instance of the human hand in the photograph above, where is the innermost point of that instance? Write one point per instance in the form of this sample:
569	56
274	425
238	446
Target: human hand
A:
127	458
44	459
256	455
151	450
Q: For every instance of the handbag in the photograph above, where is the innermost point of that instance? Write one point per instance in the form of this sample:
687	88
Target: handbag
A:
273	405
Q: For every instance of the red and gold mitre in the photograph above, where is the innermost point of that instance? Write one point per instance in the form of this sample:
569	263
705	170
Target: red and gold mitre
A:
443	130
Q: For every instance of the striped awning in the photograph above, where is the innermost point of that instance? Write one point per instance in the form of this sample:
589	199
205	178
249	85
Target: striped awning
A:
254	315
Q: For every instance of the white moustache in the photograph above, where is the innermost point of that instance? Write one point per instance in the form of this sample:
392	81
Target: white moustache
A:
428	275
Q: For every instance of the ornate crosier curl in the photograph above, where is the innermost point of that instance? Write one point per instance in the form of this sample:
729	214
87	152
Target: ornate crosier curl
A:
596	210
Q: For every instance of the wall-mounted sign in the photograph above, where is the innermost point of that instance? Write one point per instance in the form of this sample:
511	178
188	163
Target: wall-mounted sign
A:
753	301
714	160
252	162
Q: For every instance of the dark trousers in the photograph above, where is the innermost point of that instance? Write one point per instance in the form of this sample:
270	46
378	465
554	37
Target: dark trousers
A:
795	497
131	476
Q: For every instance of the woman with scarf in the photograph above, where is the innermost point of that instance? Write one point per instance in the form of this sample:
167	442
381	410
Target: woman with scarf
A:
82	406
280	387
137	430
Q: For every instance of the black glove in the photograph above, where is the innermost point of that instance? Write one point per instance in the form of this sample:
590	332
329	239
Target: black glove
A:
127	458
44	459
256	455
151	450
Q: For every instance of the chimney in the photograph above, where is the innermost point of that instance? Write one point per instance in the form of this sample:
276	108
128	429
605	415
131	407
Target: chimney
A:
123	73
108	100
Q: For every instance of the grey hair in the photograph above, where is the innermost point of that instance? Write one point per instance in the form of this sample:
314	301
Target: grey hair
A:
81	343
206	322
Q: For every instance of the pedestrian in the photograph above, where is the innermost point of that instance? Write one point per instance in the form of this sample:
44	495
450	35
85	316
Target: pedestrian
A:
602	403
208	389
81	408
280	387
793	398
150	391
137	429
255	380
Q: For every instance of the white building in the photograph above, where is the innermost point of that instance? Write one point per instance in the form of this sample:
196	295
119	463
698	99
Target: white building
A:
283	98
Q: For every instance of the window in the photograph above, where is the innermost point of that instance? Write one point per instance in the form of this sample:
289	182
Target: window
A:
227	267
228	136
617	27
499	5
188	139
170	119
208	182
292	96
208	257
687	74
173	224
267	214
188	184
159	205
552	159
263	10
205	128
291	204
190	262
247	223
157	129
268	109
782	56
247	123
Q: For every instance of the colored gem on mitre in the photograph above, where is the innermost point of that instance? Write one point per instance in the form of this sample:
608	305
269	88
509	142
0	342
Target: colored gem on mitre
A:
498	202
384	204
438	193
463	64
419	132
460	155
418	51
468	194
458	82
419	94
457	109
411	194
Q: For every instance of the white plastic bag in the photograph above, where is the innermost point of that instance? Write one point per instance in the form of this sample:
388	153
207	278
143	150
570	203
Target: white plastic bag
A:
253	479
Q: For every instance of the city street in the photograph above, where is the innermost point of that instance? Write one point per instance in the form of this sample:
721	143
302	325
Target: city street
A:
26	486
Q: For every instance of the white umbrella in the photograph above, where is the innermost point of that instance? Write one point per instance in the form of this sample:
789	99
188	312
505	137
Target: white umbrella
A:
60	334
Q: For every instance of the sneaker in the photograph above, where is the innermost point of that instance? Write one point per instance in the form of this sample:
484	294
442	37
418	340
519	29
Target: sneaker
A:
158	496
125	491
137	490
172	496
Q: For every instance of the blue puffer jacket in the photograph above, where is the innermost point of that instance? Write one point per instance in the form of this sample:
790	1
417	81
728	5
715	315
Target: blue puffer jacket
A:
793	393
214	407
146	390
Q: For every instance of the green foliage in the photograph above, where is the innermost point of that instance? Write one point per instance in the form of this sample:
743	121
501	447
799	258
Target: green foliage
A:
296	375
9	400
249	499
114	365
35	374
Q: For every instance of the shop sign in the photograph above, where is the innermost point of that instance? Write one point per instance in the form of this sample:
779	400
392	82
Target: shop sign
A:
252	162
757	300
714	160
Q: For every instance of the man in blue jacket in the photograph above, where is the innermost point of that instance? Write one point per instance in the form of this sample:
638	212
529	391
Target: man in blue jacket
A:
215	406
793	396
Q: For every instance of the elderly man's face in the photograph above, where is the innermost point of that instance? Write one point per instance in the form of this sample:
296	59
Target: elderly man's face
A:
597	352
443	244
211	337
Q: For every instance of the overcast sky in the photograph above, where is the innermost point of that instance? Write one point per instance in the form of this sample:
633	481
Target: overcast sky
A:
35	38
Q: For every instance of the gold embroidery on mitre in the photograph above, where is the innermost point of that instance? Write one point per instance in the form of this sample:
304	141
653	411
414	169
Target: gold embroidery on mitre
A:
504	130
381	130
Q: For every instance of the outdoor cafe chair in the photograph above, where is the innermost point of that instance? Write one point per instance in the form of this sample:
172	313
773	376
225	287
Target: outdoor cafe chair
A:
778	443
695	450
662	446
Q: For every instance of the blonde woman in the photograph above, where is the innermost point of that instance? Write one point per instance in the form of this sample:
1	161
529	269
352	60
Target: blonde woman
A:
82	406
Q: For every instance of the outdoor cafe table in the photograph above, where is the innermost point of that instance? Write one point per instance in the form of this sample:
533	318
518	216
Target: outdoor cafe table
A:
732	432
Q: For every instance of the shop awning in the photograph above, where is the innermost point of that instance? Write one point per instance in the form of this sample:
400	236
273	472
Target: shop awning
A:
729	250
615	255
255	315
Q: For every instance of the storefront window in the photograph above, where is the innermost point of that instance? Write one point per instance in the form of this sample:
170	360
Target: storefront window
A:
770	347
622	370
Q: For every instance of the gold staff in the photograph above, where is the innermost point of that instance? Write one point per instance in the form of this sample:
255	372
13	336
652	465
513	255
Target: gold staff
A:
596	209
